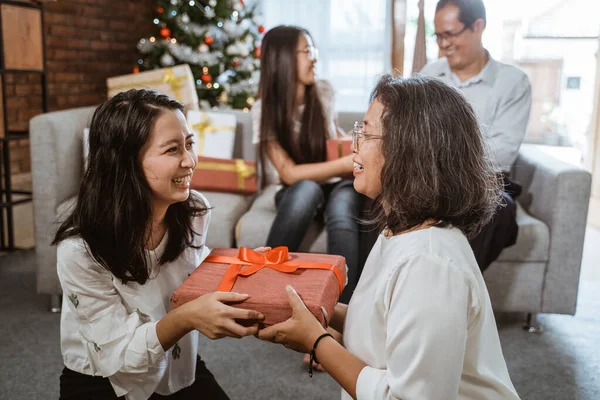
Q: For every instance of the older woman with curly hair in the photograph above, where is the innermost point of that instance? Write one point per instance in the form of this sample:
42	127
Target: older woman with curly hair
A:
420	323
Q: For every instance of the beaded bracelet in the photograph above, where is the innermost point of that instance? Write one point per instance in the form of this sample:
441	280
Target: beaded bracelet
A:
313	356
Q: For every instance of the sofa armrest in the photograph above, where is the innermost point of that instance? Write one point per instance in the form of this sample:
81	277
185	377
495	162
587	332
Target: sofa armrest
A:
558	194
56	167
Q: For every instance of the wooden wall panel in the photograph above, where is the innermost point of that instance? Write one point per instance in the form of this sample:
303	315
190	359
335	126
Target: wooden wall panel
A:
22	38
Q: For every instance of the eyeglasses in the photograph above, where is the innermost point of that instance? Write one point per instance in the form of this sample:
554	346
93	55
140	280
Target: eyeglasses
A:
311	51
358	135
449	36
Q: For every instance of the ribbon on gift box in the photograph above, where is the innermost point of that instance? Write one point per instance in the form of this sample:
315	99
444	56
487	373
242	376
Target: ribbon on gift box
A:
169	78
242	170
203	127
275	259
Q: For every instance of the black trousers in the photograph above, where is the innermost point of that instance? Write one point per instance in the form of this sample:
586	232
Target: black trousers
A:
501	231
76	386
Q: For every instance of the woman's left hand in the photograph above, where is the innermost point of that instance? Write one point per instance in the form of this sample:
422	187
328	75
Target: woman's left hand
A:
297	333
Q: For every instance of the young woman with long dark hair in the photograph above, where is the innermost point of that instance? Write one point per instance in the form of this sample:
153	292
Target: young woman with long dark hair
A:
293	119
134	235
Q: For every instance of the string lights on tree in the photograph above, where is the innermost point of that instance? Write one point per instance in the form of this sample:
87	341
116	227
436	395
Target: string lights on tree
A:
220	41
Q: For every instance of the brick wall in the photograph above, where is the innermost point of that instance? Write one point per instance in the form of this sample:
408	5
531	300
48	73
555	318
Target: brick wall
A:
86	42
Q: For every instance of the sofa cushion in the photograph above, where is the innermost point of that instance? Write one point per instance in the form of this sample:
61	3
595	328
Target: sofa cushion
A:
227	208
533	240
253	228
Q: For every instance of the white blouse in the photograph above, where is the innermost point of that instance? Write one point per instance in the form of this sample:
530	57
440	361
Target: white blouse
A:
422	321
108	328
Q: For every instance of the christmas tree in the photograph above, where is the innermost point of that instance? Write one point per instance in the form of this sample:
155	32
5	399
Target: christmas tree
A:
218	39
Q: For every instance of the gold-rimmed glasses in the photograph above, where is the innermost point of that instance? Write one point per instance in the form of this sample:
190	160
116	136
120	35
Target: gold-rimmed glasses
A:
358	135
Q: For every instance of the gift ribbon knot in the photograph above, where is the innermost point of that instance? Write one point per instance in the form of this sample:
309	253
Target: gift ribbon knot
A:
174	81
203	127
249	262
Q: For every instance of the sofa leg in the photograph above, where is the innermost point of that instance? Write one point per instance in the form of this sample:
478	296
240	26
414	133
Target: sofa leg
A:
532	325
55	303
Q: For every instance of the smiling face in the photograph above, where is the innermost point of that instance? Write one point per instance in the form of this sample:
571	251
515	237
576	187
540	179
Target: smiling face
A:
368	158
168	159
306	60
461	49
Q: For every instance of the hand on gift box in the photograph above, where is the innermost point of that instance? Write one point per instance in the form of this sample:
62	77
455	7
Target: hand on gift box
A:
210	315
300	331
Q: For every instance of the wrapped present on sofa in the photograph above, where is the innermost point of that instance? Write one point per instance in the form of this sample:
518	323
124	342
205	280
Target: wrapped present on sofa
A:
221	175
176	82
214	132
318	278
338	148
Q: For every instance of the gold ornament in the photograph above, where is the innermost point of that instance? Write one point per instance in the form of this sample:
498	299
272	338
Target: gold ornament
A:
223	97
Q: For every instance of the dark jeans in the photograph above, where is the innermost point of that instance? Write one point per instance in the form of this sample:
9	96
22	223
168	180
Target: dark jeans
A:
76	386
339	205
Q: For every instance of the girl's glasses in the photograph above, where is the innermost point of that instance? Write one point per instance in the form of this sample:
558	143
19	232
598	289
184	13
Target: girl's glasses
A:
311	51
358	135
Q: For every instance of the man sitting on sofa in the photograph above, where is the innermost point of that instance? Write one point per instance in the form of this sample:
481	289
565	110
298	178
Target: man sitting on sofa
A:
501	97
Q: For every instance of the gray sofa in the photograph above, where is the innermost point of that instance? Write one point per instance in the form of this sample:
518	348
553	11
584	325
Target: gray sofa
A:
539	274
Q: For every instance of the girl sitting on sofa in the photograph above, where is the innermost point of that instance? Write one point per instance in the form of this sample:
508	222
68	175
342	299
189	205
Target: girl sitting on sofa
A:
133	237
292	121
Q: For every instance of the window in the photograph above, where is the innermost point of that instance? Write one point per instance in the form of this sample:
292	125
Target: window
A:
353	37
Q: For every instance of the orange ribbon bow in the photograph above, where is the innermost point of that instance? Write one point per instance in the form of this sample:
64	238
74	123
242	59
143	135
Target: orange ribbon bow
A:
275	259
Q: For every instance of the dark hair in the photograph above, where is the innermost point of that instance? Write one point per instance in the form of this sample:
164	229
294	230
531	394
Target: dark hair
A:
278	95
435	163
469	10
113	206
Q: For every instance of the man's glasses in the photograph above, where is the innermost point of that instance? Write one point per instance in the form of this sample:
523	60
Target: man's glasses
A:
311	51
359	135
449	36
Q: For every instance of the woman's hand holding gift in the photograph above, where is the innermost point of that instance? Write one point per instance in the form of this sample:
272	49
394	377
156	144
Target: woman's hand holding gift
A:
211	315
299	332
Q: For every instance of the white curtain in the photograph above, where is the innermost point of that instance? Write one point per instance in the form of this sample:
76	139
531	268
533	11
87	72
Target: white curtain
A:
353	37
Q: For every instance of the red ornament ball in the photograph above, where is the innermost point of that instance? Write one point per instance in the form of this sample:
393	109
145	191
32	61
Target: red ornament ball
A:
136	70
206	78
160	10
209	40
165	32
257	52
235	63
261	29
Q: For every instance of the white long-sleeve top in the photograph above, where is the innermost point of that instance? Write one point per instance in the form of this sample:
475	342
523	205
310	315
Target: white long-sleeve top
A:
422	321
109	328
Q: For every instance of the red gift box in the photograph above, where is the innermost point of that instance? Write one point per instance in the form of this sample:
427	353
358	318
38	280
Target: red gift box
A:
318	278
338	148
224	175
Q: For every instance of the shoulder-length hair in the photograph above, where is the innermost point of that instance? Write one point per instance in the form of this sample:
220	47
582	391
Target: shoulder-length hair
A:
435	162
278	82
113	209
